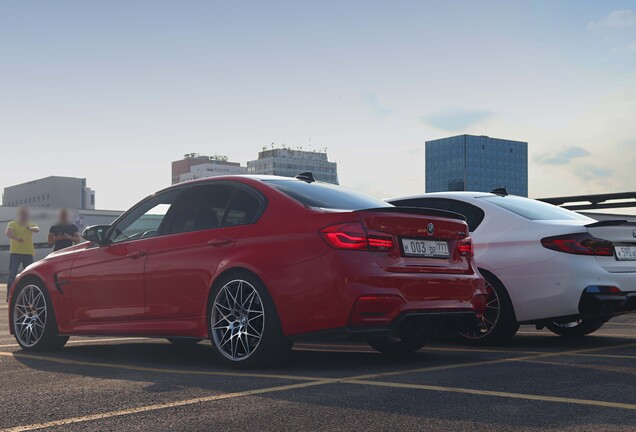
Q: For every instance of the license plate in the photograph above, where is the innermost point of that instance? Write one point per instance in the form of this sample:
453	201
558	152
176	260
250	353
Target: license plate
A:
625	253
425	248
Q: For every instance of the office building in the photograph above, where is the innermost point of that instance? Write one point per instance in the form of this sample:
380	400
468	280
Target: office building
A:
476	163
195	166
288	162
54	191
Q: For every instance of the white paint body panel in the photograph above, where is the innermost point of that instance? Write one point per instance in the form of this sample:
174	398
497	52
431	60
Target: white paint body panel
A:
541	283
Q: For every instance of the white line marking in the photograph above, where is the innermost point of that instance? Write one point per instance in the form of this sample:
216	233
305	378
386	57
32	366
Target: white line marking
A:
155	407
75	342
540	398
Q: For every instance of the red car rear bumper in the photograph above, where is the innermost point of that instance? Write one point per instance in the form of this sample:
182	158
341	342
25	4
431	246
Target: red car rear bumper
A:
348	294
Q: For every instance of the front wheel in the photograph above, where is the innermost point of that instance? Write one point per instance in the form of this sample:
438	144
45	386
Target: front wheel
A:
398	347
576	328
498	324
243	324
33	319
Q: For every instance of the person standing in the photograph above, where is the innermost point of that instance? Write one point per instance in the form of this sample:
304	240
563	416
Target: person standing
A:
21	248
64	233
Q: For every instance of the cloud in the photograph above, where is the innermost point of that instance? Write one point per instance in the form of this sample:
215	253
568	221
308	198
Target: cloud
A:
375	107
562	156
593	172
456	119
615	20
632	47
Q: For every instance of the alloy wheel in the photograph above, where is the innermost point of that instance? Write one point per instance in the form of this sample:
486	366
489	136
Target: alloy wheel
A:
238	320
29	315
490	318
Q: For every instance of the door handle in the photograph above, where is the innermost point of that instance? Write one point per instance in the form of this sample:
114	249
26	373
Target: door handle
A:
136	254
220	241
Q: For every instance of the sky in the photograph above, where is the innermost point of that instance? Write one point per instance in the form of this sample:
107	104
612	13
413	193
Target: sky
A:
114	91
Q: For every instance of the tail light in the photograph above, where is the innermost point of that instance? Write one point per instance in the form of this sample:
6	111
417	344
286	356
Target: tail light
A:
353	236
579	244
465	247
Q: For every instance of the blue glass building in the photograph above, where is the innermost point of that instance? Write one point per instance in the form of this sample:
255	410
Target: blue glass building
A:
476	163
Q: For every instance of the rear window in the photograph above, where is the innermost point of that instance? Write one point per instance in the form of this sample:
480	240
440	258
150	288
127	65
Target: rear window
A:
533	209
325	195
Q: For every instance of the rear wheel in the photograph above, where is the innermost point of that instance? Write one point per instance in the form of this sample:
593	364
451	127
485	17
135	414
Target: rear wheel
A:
498	324
398	347
243	324
184	341
33	319
576	328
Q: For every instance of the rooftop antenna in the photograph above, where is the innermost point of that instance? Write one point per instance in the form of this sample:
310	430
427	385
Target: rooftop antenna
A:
501	191
307	177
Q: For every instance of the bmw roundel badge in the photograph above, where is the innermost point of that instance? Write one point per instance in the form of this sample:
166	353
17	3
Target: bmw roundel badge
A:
431	228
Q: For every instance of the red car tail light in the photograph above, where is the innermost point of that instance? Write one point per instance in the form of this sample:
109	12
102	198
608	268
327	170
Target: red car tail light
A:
375	310
353	236
465	247
579	244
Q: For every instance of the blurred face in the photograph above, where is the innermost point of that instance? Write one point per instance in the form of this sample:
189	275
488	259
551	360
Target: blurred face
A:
23	214
63	216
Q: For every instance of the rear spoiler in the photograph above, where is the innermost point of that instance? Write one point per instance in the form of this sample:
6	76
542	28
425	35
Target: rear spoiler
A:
613	222
422	211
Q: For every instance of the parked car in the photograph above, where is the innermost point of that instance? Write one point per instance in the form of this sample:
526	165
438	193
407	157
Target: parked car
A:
543	264
254	263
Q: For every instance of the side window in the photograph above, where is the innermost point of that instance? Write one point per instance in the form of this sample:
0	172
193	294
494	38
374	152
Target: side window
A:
202	208
244	208
144	220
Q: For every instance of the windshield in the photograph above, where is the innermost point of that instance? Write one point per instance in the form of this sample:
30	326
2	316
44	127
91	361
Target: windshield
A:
533	209
325	195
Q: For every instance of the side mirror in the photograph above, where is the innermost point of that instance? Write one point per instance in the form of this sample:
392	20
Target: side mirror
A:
96	234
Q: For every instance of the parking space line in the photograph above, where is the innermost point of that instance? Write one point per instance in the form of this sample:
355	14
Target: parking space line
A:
311	381
15	345
540	398
160	406
156	370
596	367
488	362
335	350
485	351
620	324
612	356
544	334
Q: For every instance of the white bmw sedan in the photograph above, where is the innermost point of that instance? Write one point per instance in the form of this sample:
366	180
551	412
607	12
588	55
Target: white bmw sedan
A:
543	264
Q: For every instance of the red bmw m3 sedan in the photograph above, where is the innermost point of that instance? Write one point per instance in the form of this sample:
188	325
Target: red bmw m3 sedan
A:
254	263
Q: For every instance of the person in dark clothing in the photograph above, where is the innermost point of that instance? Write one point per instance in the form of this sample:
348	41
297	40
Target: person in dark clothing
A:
64	233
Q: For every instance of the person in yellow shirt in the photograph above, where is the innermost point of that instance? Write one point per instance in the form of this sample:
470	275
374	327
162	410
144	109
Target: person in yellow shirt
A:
21	248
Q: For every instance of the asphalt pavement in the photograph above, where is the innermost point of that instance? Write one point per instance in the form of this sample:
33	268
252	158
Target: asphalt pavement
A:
539	382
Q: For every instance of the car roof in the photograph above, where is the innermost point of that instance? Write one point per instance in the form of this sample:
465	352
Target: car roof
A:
238	177
444	195
225	178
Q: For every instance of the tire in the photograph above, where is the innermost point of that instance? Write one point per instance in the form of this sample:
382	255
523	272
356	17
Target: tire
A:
184	342
243	324
499	324
33	318
400	347
578	328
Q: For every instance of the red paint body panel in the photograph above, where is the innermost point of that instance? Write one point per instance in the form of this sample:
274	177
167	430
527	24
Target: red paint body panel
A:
103	290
